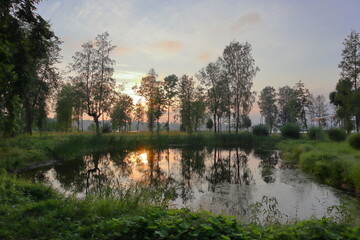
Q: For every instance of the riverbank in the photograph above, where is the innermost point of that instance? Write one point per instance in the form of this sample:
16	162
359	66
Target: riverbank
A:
33	211
333	163
27	152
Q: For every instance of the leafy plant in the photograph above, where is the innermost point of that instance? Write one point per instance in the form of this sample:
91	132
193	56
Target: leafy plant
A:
337	134
260	130
354	140
316	133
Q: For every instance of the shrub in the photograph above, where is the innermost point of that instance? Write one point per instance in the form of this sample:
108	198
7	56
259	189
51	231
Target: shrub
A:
337	134
354	140
316	133
290	130
260	130
106	128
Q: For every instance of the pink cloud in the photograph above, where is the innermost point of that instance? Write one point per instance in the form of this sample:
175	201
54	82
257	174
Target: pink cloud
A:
167	46
251	18
204	57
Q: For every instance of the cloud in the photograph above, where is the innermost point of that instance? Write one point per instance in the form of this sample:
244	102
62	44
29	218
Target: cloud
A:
251	18
204	57
167	46
122	50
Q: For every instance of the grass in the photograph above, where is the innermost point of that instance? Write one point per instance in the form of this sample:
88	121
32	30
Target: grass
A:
33	211
334	163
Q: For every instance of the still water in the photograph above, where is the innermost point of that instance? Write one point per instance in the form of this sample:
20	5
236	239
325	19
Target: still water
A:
223	181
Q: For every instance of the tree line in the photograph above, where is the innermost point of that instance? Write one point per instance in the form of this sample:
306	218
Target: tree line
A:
219	94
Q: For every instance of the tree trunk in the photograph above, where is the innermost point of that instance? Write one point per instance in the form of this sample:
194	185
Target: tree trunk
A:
215	123
168	121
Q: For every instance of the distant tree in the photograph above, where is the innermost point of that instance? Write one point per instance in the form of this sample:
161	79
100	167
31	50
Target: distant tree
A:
246	122
285	102
80	100
303	101
268	108
214	80
121	112
150	89
241	70
139	113
318	107
64	107
350	70
186	93
95	66
198	109
170	92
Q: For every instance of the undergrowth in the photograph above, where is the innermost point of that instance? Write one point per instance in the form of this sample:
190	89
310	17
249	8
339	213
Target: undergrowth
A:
32	211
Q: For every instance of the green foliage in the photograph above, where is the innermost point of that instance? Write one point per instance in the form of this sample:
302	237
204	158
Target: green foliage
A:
354	140
334	163
290	130
337	134
260	130
316	133
32	211
209	124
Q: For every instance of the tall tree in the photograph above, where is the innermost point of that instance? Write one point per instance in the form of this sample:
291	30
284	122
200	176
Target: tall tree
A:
28	49
350	69
95	66
186	93
150	89
241	70
285	105
303	100
214	80
267	104
170	92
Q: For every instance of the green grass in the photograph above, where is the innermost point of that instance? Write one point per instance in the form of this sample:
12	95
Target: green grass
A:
33	211
334	163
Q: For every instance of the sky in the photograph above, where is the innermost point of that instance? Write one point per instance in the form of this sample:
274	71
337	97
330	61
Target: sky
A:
291	40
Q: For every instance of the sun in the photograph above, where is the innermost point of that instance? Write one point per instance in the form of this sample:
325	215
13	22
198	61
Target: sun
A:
143	158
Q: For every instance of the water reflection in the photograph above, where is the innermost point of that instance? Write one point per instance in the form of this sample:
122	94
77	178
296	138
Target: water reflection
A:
224	181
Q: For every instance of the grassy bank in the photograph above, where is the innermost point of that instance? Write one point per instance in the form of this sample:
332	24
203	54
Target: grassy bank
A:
334	163
32	211
24	151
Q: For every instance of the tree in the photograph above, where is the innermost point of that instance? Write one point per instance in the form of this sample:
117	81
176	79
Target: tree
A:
241	70
139	113
94	65
209	124
150	89
28	50
80	105
318	107
186	93
350	69
121	113
302	97
170	92
285	105
64	106
246	122
267	104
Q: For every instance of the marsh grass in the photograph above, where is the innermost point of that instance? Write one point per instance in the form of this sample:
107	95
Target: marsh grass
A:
334	163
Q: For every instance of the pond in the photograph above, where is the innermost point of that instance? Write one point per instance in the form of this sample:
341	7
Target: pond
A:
223	181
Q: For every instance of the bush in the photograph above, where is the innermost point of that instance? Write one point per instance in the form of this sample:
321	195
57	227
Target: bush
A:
337	134
316	133
354	140
106	128
290	130
260	130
